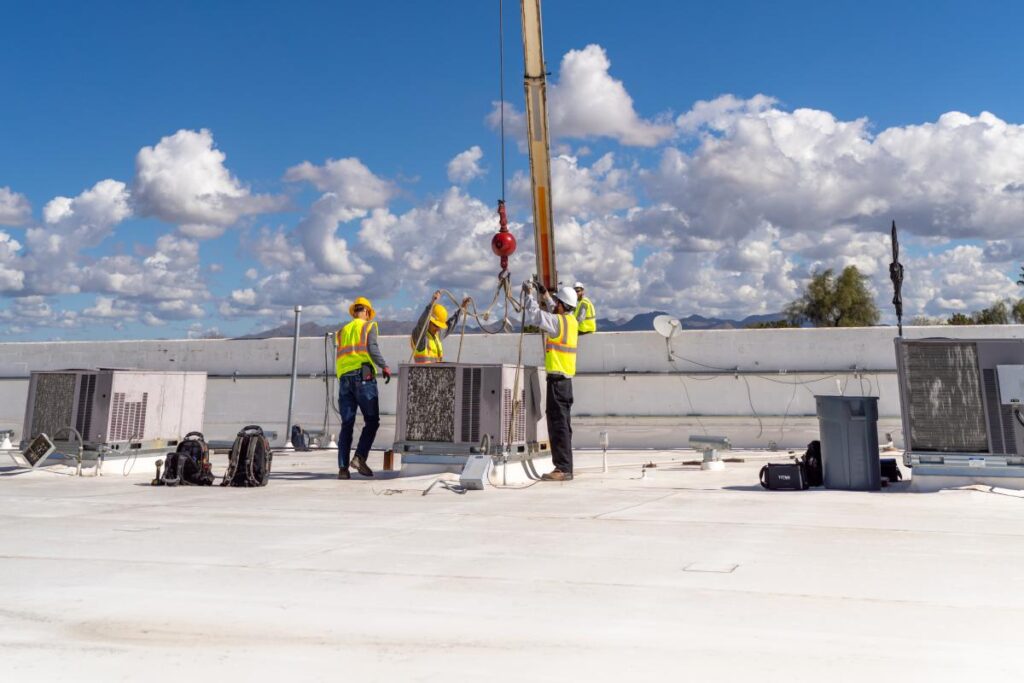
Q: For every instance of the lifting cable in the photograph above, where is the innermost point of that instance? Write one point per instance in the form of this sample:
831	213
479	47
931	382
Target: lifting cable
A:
501	90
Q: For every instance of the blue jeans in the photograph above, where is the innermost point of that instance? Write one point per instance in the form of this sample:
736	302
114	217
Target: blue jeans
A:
353	392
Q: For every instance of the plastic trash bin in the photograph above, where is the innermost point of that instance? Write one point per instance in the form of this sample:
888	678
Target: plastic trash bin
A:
848	427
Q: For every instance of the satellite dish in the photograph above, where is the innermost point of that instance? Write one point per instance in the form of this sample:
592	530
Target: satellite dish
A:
666	326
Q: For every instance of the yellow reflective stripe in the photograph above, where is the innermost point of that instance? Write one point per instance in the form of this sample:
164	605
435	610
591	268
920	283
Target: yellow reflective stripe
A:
432	352
352	346
559	348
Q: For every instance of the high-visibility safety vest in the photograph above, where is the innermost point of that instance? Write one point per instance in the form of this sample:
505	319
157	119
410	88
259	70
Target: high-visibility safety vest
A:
351	348
432	351
560	350
588	317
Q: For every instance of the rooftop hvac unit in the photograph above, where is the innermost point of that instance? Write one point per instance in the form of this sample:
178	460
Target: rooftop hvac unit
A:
961	406
456	410
116	410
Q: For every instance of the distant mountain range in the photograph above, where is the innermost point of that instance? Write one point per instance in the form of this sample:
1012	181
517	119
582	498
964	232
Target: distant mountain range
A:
638	323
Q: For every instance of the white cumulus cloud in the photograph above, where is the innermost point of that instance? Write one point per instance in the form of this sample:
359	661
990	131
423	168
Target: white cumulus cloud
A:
465	166
587	101
183	179
14	207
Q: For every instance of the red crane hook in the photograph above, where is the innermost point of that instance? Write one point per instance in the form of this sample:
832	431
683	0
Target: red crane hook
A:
503	244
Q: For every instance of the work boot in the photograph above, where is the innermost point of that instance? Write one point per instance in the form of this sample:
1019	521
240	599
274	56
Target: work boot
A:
343	473
557	475
361	466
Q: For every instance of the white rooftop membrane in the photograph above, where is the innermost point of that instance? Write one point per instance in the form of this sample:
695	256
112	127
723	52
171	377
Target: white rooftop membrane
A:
687	575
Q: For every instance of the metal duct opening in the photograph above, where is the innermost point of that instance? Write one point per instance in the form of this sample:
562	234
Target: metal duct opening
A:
471	378
86	394
944	393
519	429
127	418
54	403
430	404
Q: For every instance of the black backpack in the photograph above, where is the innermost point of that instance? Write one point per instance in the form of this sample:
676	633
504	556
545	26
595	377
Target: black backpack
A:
300	440
812	464
250	459
189	464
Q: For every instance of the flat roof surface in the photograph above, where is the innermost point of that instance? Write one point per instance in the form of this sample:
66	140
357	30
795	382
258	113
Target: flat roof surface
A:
684	575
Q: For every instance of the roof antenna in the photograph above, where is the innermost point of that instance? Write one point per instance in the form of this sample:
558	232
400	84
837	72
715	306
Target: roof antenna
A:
896	275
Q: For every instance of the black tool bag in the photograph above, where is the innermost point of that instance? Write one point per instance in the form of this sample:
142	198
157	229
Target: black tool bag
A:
250	459
890	470
189	464
300	439
784	477
812	464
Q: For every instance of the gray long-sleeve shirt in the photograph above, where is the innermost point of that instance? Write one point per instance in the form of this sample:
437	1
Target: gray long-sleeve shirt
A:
419	337
373	348
538	317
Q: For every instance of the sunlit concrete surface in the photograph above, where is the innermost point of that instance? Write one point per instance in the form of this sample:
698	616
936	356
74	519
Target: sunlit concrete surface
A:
683	575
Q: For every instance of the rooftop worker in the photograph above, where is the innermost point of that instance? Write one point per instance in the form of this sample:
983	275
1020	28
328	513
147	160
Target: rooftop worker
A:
357	361
561	331
426	343
585	313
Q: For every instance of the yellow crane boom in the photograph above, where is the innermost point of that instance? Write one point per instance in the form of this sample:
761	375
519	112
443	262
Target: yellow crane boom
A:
535	83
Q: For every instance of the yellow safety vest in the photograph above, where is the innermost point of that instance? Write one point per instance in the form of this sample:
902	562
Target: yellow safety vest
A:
560	350
432	351
351	346
589	322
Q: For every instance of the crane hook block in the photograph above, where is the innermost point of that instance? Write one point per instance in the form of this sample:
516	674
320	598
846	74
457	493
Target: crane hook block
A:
503	244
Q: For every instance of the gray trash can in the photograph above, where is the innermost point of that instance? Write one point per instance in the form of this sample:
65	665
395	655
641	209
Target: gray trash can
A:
849	442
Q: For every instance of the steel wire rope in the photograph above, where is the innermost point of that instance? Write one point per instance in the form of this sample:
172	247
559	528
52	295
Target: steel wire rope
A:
501	89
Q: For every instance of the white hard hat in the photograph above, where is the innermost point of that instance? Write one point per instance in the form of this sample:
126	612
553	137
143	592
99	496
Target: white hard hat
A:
567	295
578	285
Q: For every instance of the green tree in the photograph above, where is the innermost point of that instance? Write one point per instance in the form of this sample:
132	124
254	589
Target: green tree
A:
998	313
1018	311
1021	280
771	325
831	301
960	319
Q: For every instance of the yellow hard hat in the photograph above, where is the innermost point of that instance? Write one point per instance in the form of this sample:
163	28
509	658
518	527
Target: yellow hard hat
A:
361	301
439	315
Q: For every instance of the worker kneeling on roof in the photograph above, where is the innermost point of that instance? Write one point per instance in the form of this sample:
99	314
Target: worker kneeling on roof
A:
561	329
585	313
433	326
358	358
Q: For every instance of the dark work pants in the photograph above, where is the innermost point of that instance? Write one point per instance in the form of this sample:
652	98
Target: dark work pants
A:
559	414
354	393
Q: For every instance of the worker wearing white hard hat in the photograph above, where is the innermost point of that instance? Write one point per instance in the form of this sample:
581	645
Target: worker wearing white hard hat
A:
586	315
561	333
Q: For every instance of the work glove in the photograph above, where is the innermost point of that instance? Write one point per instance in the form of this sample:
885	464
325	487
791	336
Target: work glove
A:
386	371
527	287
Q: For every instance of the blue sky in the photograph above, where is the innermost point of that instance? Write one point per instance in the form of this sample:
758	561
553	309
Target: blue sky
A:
403	87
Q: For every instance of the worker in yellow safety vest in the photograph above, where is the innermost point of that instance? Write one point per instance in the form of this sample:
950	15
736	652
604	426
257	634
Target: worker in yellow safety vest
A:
561	331
585	313
433	326
357	361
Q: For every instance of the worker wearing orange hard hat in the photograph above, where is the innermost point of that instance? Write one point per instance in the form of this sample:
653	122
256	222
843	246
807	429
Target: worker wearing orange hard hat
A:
433	326
357	361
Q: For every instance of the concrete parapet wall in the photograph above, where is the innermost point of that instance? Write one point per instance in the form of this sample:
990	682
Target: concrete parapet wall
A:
754	374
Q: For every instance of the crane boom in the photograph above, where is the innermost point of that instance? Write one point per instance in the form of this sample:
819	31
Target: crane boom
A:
535	83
